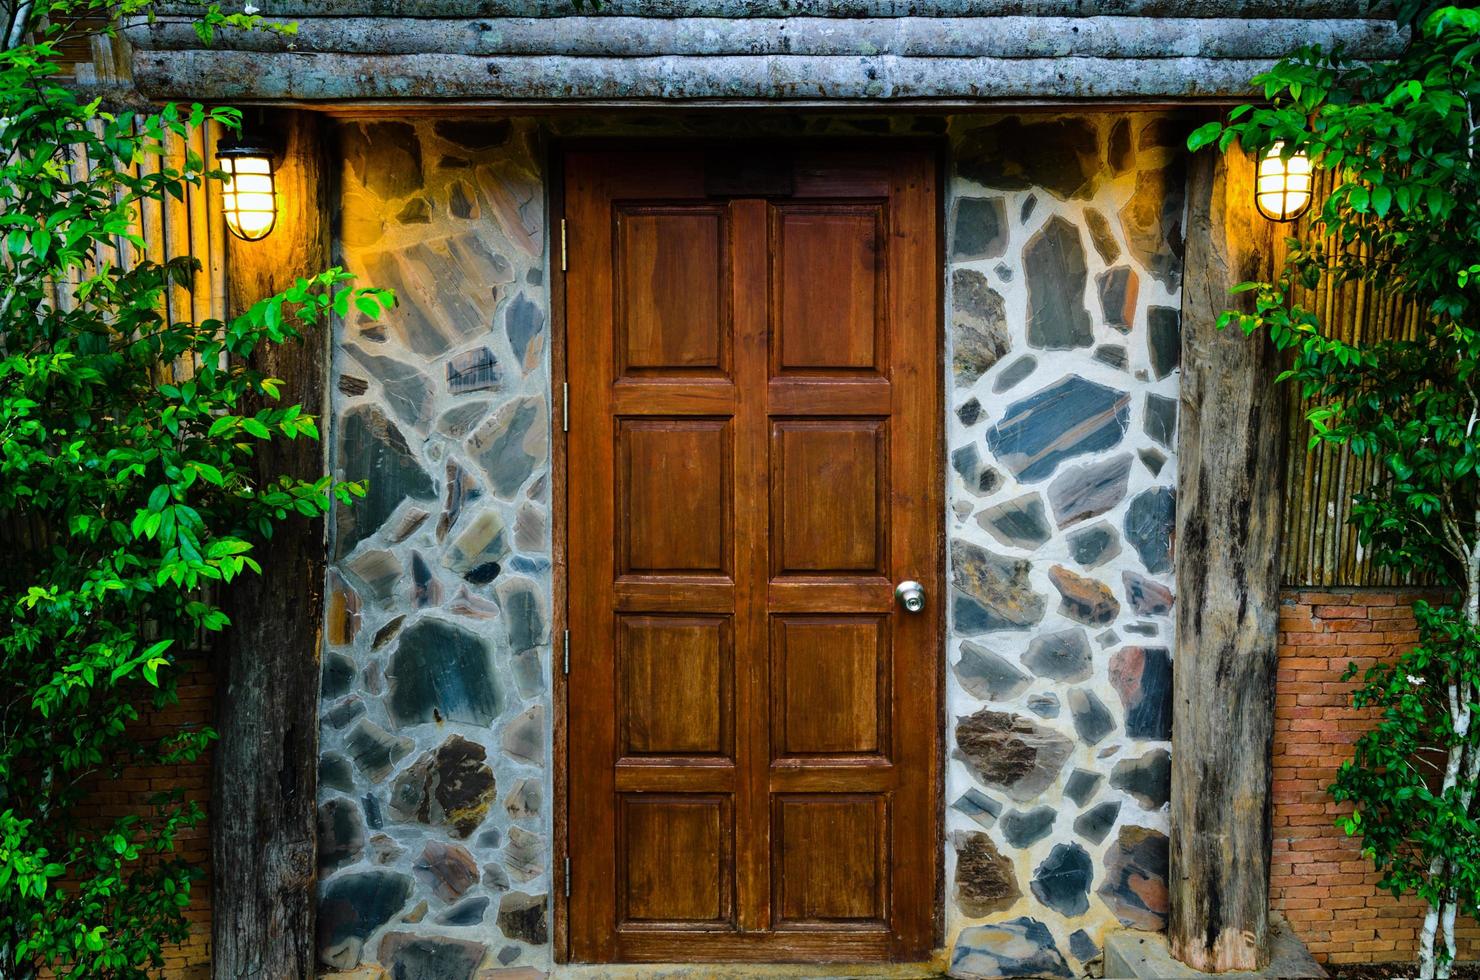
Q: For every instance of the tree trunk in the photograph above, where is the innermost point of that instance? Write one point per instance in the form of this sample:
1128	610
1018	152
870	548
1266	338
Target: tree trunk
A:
1230	460
265	769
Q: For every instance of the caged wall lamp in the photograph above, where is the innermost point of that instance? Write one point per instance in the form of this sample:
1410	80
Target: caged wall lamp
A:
249	193
1282	188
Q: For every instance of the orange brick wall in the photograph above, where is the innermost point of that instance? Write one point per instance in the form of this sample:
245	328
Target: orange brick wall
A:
1319	879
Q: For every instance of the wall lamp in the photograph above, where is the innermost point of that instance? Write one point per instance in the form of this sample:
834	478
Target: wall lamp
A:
249	193
1282	187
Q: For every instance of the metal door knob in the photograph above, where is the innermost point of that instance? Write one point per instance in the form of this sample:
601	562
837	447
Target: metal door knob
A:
911	595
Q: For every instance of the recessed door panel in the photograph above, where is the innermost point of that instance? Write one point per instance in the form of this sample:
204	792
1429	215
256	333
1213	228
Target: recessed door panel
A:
675	862
829	686
672	307
829	487
675	493
829	261
829	865
675	682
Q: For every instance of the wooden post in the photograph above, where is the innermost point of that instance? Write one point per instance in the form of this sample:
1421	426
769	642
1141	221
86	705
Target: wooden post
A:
265	771
1229	502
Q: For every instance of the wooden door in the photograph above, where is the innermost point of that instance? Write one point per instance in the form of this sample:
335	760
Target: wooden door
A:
754	723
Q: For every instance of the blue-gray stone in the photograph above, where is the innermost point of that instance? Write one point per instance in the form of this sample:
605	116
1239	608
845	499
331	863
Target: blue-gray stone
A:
1143	678
441	672
1118	289
1082	785
1020	522
1134	885
987	676
524	322
1142	629
980	228
1063	655
468	912
510	444
335	772
529	565
1044	705
411	957
1148	779
1152	459
1081	492
1061	156
1069	418
374	750
1164	339
970	412
1082	946
344	712
1026	211
1021	947
1147	597
1056	273
374	818
1149	523
1093	824
1062	881
474	370
352	906
979	332
1112	354
967	461
1092	720
524	615
341	834
385	157
978	806
407	392
338	674
991	592
1160	420
1094	545
1014	372
1025	828
371	448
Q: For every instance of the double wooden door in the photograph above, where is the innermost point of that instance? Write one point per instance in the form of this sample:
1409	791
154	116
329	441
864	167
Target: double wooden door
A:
753	465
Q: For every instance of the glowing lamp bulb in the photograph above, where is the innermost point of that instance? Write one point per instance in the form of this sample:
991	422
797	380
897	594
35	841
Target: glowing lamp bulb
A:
249	194
1282	187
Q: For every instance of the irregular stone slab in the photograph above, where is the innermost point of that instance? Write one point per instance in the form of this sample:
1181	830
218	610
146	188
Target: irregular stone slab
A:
1011	753
1160	419
343	613
374	750
1014	372
1153	460
405	390
985	880
1082	785
524	614
1063	655
425	589
1062	881
477	135
991	592
511	444
1112	354
978	806
970	412
1101	235
372	448
344	713
524	738
1026	828
1062	156
484	541
352	906
376	572
406	955
1044	705
1150	522
445	287
441	672
980	228
1152	221
1081	492
374	819
385	157
1020	522
1092	720
451	786
1120	149
522	917
1119	290
468	912
462	489
1069	418
341	834
1148	779
524	800
447	870
1147	597
1085	600
1142	629
1094	545
987	676
524	855
385	850
457	422
473	370
1093	824
335	773
1021	947
979	332
387	633
1135	878
524	322
337	676
1054	264
1026	210
1082	946
1143	678
404	524
1164	339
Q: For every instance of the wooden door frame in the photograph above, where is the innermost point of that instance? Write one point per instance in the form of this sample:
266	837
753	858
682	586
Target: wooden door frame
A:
555	152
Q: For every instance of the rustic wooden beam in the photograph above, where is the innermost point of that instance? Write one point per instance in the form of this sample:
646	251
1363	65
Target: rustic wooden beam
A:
1229	504
265	772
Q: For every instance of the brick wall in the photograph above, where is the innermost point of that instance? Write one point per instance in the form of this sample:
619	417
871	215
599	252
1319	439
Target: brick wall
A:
1319	879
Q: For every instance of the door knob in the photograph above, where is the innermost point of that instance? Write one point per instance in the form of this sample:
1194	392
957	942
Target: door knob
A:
911	595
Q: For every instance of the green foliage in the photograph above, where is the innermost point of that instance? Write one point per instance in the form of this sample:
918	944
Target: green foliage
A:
1402	217
127	447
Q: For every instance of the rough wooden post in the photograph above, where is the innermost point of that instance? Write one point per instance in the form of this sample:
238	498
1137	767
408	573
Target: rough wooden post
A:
265	766
1229	504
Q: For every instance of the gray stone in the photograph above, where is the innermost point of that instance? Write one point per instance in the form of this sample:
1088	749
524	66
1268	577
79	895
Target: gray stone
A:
1152	221
447	870
406	391
1004	271
344	712
524	615
444	286
1054	264
1148	779
374	819
495	878
1020	947
1147	597
987	676
524	800
451	786
385	157
1101	235
1119	289
1135	878
1107	639
985	881
1026	828
1062	156
417	211
1082	785
524	855
978	806
371	448
352	906
1092	720
511	444
1062	656
524	322
374	750
387	633
1112	354
460	202
1093	824
1014	372
1150	522
1062	881
1020	522
1081	492
441	672
991	592
1011	753
1094	545
1082	947
468	912
425	589
1142	629
341	834
474	370
1153	460
411	957
1164	339
483	541
979	332
1069	418
967	462
970	412
459	420
524	738
375	571
510	954
522	917
1026	210
335	772
337	676
353	386
1044	705
1120	150
1143	678
980	228
1084	600
1160	419
405	522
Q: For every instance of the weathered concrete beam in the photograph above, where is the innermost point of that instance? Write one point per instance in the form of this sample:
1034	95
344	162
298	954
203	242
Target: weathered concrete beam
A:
250	76
912	37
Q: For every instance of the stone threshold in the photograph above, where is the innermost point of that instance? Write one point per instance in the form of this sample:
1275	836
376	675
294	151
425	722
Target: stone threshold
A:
746	971
1131	954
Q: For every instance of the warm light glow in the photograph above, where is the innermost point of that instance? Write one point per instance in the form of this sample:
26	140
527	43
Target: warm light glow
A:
249	195
1282	187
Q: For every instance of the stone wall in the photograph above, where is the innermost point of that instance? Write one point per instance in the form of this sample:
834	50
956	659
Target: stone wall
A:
1064	251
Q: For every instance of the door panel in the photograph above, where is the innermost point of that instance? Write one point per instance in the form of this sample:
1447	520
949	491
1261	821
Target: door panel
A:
754	462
